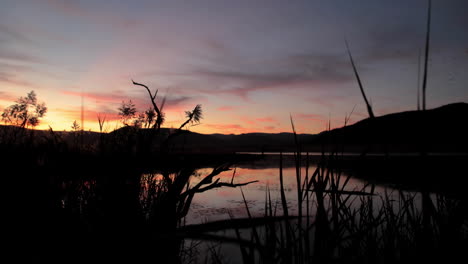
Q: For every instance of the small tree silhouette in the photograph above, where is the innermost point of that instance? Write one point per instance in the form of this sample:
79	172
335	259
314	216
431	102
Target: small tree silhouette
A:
193	117
149	117
26	112
75	126
127	111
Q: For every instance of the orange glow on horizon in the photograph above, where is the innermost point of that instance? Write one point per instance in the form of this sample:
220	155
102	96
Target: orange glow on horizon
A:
64	108
111	125
61	119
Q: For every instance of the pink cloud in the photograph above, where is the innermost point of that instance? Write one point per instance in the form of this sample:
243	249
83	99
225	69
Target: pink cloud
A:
247	120
6	96
98	96
224	126
225	108
256	123
227	128
266	119
89	115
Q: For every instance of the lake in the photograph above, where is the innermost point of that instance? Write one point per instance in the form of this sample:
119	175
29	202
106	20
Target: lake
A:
220	203
226	203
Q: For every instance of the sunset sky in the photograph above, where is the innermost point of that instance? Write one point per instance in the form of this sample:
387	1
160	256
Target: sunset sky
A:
249	63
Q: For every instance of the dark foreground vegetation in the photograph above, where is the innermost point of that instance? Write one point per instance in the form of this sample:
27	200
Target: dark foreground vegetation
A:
73	202
77	204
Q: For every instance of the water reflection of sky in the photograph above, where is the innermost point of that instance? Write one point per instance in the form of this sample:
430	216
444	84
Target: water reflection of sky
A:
223	203
218	203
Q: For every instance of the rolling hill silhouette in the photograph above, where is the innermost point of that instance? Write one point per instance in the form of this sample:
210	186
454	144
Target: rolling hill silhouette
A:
439	129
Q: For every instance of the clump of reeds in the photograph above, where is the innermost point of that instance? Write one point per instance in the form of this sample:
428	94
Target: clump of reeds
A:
338	224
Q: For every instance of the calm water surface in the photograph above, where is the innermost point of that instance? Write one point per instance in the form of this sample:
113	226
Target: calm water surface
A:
218	204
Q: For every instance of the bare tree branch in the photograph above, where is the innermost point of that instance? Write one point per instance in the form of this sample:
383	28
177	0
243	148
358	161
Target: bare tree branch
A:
218	184
159	118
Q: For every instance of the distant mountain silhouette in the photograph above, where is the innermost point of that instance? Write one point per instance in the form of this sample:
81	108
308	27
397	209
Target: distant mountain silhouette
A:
440	129
189	141
249	142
